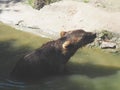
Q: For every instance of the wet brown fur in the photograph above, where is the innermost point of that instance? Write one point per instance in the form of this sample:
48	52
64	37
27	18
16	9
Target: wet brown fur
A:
52	56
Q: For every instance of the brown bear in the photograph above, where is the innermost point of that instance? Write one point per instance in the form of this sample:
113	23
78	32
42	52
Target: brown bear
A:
52	57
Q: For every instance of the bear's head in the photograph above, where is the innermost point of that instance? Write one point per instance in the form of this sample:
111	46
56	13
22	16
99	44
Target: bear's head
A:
76	39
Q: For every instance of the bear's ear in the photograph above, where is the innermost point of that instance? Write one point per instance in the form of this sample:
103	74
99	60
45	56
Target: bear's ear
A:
66	44
62	33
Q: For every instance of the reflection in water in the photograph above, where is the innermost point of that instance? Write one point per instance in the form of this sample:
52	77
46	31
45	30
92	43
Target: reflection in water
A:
67	82
8	84
53	83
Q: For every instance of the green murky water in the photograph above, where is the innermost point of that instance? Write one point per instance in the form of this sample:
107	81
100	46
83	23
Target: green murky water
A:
89	69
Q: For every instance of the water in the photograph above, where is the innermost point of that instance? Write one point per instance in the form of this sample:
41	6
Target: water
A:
88	69
86	72
53	83
69	82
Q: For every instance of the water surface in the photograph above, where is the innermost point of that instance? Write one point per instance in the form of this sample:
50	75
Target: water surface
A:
88	69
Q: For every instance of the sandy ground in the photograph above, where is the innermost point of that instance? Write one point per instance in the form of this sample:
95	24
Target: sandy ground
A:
59	16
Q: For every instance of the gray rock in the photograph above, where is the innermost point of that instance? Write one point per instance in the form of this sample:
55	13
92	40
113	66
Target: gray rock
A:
38	4
107	45
107	41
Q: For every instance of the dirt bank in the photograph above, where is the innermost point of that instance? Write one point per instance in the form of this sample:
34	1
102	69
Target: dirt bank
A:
63	15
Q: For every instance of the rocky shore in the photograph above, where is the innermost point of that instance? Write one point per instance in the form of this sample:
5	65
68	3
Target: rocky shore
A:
108	41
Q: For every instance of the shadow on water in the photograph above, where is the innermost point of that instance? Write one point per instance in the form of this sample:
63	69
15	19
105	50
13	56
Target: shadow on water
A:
91	70
9	55
78	77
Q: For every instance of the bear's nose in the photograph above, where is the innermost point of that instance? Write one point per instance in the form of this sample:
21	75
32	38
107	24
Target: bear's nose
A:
94	34
91	35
